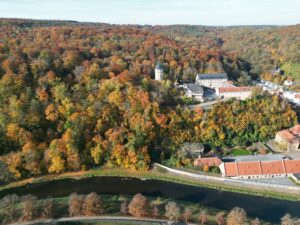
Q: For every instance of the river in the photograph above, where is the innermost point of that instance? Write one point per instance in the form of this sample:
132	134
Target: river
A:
268	209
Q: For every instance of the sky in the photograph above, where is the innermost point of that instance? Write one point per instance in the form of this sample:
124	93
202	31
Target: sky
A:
158	12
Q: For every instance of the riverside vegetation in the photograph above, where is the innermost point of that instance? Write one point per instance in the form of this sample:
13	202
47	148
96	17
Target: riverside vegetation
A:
29	208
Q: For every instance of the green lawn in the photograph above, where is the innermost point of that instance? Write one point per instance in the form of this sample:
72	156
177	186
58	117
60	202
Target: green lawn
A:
239	152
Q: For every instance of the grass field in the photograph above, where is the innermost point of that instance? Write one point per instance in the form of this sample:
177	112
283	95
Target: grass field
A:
240	152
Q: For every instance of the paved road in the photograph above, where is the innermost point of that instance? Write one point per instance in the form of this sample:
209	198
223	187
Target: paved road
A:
246	184
134	220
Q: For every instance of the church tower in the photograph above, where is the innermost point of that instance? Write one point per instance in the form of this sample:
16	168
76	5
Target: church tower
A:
159	72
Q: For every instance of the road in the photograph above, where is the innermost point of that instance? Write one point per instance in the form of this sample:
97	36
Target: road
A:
133	220
206	105
235	183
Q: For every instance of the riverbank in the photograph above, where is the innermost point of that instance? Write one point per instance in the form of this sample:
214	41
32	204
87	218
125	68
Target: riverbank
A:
111	205
161	175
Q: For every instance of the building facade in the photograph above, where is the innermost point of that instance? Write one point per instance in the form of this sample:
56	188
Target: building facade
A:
241	93
159	72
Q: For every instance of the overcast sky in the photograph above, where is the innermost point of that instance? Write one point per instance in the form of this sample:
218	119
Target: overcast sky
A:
201	12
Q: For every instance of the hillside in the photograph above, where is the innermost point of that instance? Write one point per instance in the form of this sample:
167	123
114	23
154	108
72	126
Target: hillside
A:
75	96
262	47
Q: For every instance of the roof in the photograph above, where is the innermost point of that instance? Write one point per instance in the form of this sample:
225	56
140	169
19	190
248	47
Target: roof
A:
291	135
158	66
253	158
234	89
212	76
233	169
285	134
195	88
194	147
210	161
295	130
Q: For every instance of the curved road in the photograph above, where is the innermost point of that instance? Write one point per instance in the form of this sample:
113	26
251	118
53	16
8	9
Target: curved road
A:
134	220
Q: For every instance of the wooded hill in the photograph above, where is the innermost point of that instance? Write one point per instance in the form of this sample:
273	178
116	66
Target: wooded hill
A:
74	96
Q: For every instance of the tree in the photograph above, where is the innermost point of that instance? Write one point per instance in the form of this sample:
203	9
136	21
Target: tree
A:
29	207
138	206
9	206
155	211
187	213
256	221
287	219
75	204
237	216
47	208
172	211
124	207
92	205
220	218
203	217
5	175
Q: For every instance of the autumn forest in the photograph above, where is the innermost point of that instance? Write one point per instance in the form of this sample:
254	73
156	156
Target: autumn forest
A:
77	96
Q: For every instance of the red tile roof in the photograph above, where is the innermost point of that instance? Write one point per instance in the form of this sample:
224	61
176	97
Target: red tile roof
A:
234	89
273	167
246	168
292	166
233	169
210	161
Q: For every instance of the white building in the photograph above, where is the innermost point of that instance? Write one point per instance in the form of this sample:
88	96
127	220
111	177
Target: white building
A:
288	82
292	96
159	72
241	93
195	91
212	80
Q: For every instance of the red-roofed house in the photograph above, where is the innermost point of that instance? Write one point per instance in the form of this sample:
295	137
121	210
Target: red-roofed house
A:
289	140
234	92
209	161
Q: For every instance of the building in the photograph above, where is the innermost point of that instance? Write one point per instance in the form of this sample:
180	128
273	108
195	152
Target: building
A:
271	87
209	161
159	72
291	96
194	150
195	91
241	93
289	139
260	169
288	82
212	80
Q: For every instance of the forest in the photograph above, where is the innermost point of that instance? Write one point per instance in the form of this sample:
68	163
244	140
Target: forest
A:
77	96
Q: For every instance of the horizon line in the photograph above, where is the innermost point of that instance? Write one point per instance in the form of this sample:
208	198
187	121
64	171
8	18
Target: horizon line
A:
136	24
